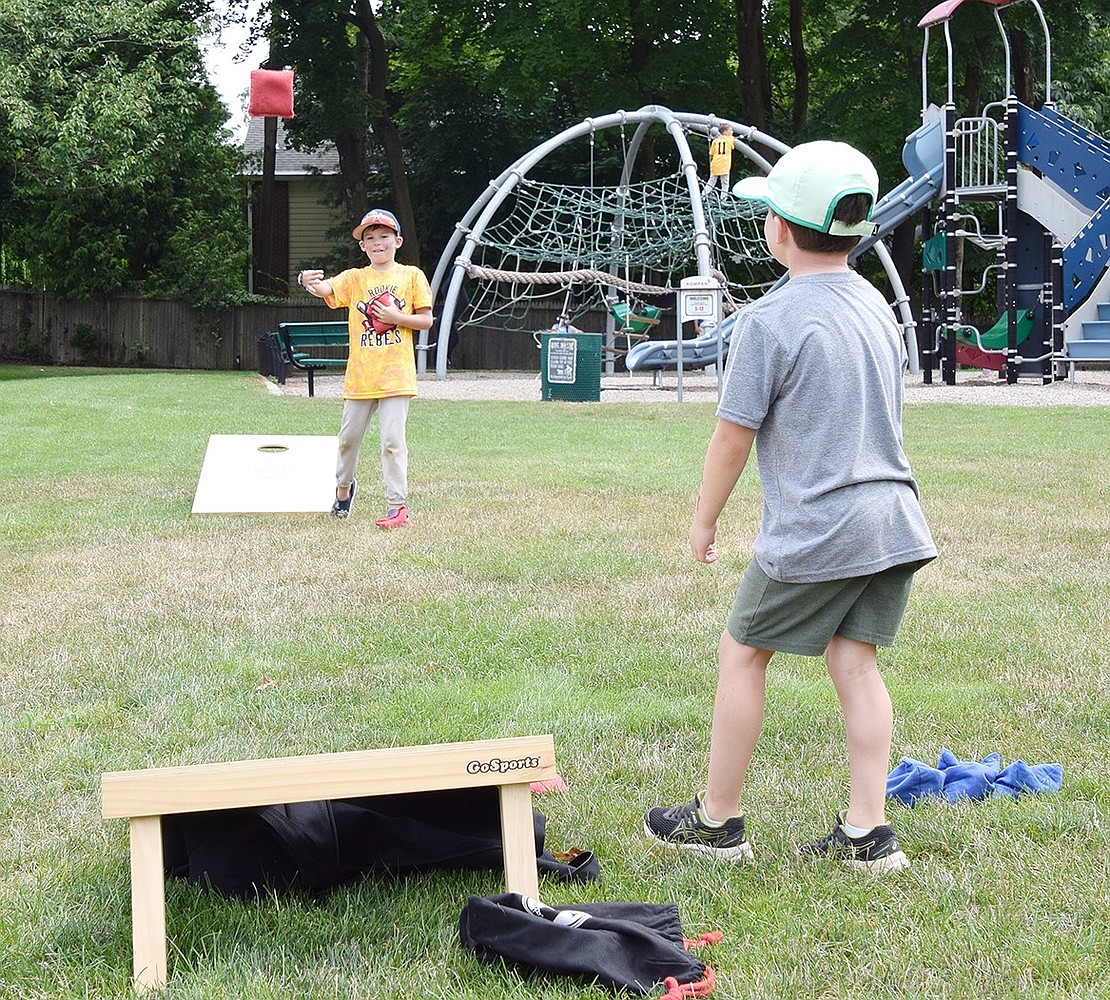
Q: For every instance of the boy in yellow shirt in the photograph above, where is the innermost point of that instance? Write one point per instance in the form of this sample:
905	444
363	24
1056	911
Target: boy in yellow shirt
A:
386	302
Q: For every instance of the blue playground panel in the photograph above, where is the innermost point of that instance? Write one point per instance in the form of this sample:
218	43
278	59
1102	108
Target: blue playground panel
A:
1077	161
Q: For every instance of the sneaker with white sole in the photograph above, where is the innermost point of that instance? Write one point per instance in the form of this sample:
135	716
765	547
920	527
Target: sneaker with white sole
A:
682	827
342	508
877	850
397	517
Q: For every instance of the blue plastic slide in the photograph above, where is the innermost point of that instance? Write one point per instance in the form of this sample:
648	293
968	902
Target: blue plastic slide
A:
923	158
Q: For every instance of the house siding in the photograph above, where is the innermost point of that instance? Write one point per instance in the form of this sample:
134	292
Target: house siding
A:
313	225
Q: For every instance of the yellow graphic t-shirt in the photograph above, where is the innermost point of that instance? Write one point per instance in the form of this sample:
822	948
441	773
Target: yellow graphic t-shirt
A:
381	362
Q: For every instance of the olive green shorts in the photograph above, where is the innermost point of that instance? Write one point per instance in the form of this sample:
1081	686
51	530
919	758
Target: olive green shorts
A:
803	617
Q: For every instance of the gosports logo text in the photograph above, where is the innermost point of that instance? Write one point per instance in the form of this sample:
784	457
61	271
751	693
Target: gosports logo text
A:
498	766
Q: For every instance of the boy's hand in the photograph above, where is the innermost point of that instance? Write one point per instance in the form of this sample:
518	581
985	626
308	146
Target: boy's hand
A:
310	279
702	541
384	314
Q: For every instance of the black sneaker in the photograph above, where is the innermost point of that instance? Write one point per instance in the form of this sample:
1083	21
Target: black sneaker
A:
877	851
342	508
682	827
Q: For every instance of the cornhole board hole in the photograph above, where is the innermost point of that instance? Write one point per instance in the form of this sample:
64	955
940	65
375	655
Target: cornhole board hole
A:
267	474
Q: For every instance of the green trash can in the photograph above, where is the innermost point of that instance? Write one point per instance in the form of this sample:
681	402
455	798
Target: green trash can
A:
570	366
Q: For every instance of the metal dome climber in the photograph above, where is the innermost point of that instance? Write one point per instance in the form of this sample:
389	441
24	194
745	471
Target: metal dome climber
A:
524	241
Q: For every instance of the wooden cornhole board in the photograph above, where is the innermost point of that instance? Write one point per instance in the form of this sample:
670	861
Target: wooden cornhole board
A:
267	474
144	797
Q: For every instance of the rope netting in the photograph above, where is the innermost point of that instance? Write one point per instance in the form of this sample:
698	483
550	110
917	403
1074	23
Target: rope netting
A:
575	248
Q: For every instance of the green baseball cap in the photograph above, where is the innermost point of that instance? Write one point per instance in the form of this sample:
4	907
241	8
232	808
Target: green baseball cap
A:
808	182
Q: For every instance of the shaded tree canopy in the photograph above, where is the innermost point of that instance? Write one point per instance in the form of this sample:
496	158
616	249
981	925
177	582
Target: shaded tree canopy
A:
116	174
473	87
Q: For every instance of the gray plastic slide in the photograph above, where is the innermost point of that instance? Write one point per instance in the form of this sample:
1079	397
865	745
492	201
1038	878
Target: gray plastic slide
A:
698	352
923	157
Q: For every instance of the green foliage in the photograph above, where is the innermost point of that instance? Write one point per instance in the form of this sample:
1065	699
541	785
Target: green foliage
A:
1080	59
472	87
321	42
865	86
117	174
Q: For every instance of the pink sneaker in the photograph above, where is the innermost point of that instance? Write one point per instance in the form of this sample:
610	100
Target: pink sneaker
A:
398	517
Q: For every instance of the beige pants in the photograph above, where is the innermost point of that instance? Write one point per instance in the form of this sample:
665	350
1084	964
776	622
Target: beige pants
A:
721	183
392	415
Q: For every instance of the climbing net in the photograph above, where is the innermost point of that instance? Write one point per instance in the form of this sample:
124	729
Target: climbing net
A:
578	248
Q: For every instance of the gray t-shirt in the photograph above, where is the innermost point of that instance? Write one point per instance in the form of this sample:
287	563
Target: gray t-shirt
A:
816	368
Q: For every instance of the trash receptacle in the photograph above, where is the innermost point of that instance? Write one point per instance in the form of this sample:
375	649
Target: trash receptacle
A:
570	365
270	362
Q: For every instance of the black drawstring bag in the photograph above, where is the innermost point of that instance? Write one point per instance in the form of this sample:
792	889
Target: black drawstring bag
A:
636	947
318	846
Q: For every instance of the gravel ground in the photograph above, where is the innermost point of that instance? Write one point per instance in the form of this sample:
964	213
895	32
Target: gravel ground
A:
1091	388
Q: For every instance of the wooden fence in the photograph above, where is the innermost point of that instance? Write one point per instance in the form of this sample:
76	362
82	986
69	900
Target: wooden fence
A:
128	331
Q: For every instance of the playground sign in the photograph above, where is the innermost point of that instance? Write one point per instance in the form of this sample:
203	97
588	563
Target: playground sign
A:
562	360
699	298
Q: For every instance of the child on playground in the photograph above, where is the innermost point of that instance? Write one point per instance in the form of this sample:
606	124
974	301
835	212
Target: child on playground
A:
815	381
720	162
386	302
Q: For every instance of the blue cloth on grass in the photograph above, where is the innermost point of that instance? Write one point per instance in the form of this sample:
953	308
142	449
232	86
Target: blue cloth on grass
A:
954	779
912	780
968	779
1021	779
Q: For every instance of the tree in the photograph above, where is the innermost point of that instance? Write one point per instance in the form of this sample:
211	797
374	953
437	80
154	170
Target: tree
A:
429	99
342	59
753	73
116	171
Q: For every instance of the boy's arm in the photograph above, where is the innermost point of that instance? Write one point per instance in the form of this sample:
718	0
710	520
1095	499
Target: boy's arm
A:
725	459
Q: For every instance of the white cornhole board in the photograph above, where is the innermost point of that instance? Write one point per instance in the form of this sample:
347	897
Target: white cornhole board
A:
266	474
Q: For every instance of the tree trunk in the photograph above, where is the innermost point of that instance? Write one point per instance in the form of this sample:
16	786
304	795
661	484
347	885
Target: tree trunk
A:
973	80
752	74
1023	71
801	66
638	51
266	277
353	168
385	129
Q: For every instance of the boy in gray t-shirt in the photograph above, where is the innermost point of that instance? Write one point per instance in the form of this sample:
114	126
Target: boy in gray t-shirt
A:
814	381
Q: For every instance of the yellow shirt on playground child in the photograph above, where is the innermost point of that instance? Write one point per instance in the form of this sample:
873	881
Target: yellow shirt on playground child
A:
720	155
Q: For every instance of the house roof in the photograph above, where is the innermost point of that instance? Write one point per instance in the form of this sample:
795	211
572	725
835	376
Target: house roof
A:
288	162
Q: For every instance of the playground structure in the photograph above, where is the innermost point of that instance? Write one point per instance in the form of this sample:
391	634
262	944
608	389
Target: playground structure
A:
1021	196
616	247
1031	190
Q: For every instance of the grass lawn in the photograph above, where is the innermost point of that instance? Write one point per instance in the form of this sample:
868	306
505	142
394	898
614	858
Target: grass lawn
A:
546	587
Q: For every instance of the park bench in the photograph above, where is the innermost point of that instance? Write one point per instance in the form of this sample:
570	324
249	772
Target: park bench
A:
144	797
298	341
